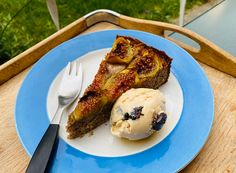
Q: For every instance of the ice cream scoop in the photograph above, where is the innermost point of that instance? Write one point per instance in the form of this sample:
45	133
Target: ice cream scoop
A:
138	113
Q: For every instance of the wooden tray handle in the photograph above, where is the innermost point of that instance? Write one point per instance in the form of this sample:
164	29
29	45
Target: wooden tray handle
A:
208	53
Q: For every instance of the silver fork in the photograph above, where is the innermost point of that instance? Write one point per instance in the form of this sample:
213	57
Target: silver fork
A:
69	90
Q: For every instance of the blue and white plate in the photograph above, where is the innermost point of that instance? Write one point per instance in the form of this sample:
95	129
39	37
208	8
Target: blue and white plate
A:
189	105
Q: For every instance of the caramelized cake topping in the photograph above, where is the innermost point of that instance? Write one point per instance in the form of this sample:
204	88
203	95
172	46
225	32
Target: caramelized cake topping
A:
129	64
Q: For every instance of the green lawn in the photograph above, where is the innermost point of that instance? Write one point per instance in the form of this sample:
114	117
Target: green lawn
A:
33	23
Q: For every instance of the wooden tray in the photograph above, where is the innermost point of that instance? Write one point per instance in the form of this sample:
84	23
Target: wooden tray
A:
218	154
208	53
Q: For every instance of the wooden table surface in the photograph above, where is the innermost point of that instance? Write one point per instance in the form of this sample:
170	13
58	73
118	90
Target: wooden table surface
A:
218	154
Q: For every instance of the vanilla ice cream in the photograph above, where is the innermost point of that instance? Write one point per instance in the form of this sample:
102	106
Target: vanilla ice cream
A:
138	113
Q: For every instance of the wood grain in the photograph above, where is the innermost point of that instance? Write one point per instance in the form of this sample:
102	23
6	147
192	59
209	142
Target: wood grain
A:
218	155
13	157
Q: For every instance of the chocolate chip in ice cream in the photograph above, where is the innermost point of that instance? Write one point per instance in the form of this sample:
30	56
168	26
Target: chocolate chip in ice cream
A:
135	114
159	121
126	116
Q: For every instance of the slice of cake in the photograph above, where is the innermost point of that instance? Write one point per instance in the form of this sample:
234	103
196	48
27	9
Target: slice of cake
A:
130	64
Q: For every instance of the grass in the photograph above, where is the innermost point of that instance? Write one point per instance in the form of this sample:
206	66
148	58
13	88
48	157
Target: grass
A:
33	23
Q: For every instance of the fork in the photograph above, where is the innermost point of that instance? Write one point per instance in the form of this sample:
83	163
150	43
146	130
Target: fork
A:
68	92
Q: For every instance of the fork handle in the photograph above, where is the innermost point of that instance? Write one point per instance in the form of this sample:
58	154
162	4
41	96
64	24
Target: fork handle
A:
41	156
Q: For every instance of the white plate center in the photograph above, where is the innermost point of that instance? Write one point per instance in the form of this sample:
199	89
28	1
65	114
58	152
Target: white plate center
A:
102	143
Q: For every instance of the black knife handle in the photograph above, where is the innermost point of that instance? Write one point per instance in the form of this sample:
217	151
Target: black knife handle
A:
40	158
